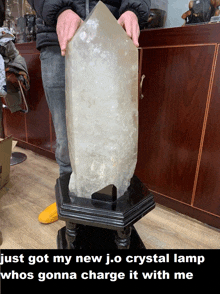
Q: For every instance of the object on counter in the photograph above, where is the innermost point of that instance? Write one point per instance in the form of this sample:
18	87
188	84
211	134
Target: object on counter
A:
9	21
20	19
201	11
158	14
21	30
215	19
30	21
216	4
30	27
101	105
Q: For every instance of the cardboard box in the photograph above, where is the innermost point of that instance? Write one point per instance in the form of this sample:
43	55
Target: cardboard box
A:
5	155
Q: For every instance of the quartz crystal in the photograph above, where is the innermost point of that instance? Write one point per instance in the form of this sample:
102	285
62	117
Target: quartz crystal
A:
101	105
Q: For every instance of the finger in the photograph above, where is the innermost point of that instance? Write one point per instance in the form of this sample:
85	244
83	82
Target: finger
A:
128	28
135	35
65	36
60	34
69	32
73	27
63	52
63	43
121	23
135	41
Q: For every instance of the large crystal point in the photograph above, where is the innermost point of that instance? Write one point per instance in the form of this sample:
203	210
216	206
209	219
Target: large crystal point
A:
101	105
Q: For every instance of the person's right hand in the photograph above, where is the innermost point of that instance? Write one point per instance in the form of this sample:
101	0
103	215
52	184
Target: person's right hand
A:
67	24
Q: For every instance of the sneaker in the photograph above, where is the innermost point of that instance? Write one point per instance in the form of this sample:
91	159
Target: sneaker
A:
49	215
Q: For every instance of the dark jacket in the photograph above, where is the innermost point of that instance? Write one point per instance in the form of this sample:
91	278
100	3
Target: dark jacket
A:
49	10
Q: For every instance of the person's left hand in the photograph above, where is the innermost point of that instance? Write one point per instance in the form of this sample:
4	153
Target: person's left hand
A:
129	21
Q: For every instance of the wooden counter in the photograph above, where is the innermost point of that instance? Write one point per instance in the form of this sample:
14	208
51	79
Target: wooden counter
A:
179	137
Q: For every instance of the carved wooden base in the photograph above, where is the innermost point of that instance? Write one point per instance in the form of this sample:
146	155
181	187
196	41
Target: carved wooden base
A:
99	222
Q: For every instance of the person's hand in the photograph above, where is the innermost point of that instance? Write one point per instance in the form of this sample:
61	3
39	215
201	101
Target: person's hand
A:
67	24
129	21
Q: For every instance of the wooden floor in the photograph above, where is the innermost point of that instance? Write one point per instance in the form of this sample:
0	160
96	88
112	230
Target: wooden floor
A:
31	189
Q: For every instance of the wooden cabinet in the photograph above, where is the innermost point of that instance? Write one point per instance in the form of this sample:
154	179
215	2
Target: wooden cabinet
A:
179	130
33	130
207	194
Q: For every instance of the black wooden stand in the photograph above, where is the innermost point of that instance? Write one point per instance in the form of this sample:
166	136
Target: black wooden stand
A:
101	224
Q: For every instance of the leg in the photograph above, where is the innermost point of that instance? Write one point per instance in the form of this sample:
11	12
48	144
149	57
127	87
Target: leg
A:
53	76
122	238
71	234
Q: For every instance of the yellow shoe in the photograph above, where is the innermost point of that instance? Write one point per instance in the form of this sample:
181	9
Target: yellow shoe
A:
49	215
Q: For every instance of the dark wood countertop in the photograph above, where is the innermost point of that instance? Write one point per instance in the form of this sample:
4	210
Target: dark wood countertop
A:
185	35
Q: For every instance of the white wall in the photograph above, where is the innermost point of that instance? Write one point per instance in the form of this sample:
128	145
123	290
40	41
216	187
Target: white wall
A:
175	10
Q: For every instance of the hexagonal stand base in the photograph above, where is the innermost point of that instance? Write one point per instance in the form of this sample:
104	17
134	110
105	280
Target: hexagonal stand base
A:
93	224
